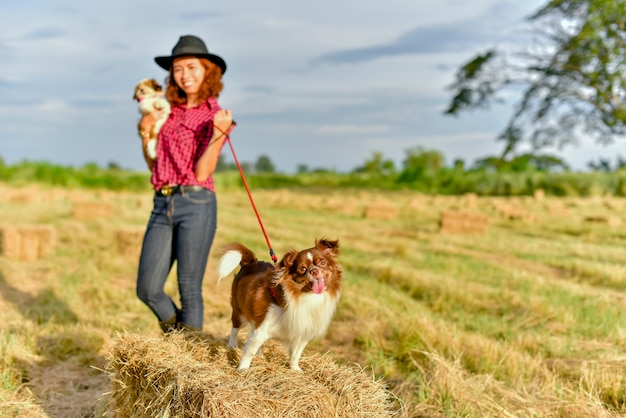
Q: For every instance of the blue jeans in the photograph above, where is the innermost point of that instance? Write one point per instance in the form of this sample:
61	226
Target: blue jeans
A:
181	228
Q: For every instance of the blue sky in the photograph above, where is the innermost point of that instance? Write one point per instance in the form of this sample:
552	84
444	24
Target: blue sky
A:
324	83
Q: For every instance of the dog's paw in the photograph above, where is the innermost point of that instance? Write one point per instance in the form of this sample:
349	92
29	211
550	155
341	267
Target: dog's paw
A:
242	370
151	148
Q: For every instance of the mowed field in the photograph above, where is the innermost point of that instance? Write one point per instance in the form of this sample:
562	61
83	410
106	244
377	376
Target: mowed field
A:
517	308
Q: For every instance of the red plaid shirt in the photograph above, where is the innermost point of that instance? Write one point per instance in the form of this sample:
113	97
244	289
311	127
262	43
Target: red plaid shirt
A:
182	140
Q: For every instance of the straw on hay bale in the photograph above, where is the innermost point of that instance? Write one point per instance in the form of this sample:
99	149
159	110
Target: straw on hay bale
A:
194	375
457	221
380	209
91	210
129	241
27	242
612	221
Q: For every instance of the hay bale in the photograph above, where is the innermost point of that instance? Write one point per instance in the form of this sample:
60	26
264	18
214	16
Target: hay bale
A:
463	222
129	242
194	375
10	242
380	209
27	242
470	200
416	204
557	208
91	210
539	195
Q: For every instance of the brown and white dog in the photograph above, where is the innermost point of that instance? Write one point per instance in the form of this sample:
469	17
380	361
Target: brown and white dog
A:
155	110
293	302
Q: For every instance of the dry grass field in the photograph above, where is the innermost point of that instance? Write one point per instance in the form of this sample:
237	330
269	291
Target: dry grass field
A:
464	306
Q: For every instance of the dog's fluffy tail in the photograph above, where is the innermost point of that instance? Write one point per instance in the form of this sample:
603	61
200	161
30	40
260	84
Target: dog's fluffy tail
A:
232	256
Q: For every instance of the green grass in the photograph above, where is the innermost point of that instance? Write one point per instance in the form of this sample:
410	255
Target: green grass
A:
526	320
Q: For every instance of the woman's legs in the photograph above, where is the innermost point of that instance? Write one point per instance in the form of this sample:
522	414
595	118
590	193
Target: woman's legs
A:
156	261
181	228
195	214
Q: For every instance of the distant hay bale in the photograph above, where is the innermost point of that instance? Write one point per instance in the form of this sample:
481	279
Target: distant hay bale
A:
380	209
23	197
416	204
557	209
539	195
129	242
194	375
456	221
612	221
91	210
470	200
27	242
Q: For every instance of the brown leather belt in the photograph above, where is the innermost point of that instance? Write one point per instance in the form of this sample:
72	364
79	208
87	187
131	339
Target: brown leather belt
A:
170	189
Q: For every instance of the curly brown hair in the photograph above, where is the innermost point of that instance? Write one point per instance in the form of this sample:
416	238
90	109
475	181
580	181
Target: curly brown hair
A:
211	86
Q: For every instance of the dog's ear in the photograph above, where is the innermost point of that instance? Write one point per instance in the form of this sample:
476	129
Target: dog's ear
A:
288	259
155	85
328	246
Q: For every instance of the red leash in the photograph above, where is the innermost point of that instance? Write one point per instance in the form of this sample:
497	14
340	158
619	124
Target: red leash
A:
245	183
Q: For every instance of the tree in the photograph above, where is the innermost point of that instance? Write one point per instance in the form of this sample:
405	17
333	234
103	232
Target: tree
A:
523	162
423	160
420	163
603	164
571	77
113	166
264	165
377	165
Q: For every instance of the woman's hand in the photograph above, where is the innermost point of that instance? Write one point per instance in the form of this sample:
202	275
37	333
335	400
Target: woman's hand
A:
222	121
208	161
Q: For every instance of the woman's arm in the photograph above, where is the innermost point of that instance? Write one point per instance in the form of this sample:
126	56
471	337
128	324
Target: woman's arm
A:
208	161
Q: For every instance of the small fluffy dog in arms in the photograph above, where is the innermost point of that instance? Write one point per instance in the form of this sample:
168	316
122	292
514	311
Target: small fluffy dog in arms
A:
154	109
293	302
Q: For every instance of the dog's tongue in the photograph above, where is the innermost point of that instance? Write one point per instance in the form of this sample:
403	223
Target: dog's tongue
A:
318	285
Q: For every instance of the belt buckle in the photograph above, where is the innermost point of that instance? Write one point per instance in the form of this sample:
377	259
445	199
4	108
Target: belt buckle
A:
166	190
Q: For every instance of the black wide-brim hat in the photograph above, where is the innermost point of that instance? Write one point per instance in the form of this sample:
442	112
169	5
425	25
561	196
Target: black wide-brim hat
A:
190	45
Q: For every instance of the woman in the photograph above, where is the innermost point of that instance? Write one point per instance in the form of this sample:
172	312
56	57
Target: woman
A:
184	218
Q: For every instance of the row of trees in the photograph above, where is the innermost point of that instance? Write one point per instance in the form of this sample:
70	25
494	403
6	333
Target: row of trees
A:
423	171
420	161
